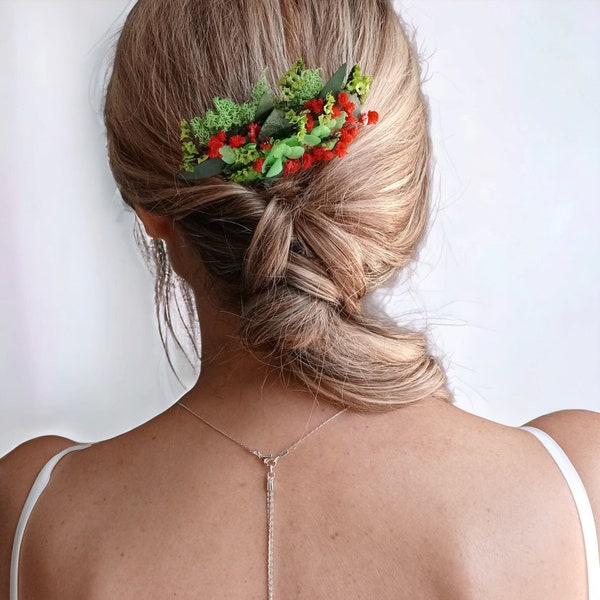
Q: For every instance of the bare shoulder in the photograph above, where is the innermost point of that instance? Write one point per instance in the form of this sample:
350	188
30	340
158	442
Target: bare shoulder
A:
18	470
19	467
577	432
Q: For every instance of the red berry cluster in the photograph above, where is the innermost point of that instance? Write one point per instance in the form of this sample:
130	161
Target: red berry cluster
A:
217	141
347	133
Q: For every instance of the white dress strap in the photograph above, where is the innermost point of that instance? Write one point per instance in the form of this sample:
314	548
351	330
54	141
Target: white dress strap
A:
584	508
36	491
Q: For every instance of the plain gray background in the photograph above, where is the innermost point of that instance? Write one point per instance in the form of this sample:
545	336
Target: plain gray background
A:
507	283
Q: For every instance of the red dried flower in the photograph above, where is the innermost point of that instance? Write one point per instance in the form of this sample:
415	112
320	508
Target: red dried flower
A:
317	153
307	160
348	134
340	149
221	136
266	144
258	165
315	105
336	112
372	117
310	123
321	153
214	143
292	165
351	119
343	99
253	131
344	102
235	141
345	136
364	118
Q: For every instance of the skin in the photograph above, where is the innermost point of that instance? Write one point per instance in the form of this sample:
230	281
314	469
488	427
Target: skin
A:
426	502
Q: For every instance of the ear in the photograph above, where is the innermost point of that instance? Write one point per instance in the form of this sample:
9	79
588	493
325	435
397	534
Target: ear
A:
156	226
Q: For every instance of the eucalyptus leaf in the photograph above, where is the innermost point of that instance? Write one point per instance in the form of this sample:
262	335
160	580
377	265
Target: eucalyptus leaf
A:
321	131
311	140
209	168
265	105
294	152
292	141
276	168
269	160
276	123
228	154
280	150
339	122
335	83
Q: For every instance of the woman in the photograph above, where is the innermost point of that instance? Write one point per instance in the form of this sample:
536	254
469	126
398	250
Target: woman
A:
391	492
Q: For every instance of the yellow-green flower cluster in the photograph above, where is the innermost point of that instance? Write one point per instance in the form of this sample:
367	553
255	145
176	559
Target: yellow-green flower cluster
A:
358	84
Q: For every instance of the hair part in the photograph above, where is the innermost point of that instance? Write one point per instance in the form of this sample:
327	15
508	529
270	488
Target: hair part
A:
296	258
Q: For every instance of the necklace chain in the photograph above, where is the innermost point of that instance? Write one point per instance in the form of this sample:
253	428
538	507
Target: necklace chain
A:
270	462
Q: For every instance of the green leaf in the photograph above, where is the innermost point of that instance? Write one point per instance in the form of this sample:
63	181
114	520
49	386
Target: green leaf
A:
280	150
265	105
276	123
209	168
294	152
269	160
321	131
311	140
228	154
335	83
292	141
339	122
276	168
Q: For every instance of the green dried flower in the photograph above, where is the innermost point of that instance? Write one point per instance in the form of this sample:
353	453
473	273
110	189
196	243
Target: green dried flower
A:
358	84
300	84
247	154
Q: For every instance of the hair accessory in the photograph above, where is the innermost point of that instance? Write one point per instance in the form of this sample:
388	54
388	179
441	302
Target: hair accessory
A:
269	135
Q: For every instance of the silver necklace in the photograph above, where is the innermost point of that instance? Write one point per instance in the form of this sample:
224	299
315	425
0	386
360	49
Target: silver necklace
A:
270	461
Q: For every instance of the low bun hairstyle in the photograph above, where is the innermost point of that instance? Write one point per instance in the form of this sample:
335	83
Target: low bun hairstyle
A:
297	258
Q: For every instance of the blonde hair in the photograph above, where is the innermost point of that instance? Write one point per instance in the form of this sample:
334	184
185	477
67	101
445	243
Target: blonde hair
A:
299	256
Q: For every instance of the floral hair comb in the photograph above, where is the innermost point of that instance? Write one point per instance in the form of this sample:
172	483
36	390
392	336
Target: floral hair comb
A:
272	135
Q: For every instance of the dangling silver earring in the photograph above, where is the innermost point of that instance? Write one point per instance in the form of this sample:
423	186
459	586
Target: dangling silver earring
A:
160	250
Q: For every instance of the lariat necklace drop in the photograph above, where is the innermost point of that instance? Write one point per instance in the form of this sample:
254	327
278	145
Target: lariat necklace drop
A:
270	461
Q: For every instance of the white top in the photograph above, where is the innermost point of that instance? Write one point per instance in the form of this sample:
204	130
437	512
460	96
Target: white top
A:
584	509
39	485
582	502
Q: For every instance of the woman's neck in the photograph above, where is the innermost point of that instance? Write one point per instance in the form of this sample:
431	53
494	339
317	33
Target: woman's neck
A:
241	394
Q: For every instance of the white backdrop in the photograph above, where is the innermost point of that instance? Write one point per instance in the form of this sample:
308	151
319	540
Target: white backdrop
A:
508	281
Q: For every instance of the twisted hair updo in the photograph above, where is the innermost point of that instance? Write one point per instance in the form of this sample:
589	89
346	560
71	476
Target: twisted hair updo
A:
296	258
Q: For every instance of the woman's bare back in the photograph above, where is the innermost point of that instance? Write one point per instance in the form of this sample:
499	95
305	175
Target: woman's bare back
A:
424	502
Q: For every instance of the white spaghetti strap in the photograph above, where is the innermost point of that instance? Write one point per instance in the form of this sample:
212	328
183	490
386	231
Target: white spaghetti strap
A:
584	508
38	487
